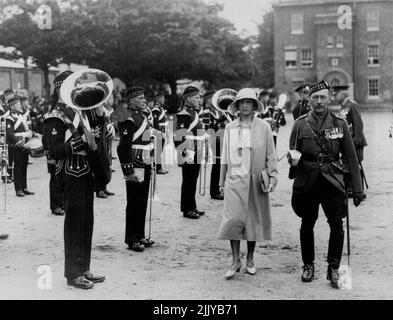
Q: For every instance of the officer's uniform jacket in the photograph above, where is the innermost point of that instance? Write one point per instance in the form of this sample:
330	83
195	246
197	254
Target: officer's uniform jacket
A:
350	111
68	150
301	108
189	134
135	146
315	160
275	117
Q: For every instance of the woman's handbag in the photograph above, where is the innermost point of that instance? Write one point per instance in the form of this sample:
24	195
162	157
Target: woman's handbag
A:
264	180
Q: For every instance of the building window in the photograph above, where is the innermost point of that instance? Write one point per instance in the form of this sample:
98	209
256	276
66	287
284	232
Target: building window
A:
297	23
339	41
373	87
329	42
290	59
334	62
373	20
307	58
373	54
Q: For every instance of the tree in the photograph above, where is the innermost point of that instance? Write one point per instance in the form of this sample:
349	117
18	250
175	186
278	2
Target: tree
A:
166	40
264	53
47	47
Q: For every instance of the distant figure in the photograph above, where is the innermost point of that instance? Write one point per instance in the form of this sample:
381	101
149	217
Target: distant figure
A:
302	106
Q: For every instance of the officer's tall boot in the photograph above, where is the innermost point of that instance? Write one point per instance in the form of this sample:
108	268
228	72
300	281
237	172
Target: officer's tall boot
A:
308	253
336	244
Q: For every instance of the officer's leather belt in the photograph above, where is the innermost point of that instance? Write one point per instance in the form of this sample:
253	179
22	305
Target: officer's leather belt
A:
148	147
321	158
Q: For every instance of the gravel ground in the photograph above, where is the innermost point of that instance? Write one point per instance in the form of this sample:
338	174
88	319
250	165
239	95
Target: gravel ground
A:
188	261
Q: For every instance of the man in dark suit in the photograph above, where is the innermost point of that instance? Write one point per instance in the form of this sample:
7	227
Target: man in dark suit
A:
188	141
324	141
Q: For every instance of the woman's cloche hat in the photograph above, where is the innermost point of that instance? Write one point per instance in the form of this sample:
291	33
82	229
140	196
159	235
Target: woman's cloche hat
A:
246	93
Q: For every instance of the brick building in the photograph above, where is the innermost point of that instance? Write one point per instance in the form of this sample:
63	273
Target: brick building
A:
342	42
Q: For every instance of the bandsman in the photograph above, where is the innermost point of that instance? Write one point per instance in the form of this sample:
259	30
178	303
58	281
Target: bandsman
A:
17	135
134	153
188	140
160	125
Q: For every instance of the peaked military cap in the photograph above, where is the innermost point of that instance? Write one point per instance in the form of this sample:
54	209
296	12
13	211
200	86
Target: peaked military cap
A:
303	87
190	91
8	91
337	89
319	86
134	92
13	100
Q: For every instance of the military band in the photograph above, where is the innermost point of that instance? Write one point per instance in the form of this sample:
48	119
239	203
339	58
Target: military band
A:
329	146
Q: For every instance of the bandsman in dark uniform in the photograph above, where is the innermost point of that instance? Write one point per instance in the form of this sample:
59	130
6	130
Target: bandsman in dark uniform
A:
134	151
17	135
188	141
9	94
56	181
64	136
213	121
350	111
160	125
325	142
274	115
302	106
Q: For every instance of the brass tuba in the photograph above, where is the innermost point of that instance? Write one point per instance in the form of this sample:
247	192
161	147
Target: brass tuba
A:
223	98
85	90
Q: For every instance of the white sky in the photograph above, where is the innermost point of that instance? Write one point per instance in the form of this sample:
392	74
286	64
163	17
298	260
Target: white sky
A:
245	14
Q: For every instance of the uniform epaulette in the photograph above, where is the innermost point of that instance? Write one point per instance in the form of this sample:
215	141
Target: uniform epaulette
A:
339	116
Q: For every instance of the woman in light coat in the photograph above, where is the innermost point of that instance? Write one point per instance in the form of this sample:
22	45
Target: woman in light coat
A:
248	174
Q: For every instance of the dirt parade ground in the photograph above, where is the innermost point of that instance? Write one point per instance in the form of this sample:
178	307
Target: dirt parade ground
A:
188	261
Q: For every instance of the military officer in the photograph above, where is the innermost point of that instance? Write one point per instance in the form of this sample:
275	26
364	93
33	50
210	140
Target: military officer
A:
64	136
134	153
188	140
350	111
17	135
302	106
159	124
324	142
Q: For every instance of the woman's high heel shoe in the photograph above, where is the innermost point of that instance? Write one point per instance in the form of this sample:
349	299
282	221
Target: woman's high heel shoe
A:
250	268
231	273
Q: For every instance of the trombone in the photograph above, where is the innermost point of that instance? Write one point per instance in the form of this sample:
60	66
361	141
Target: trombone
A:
203	169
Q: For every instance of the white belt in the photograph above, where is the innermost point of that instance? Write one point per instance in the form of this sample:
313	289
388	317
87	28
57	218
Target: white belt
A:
148	147
199	138
21	134
163	124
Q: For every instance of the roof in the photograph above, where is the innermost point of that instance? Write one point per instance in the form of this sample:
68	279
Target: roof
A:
288	3
4	63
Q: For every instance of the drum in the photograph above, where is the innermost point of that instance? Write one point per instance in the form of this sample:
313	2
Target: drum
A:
36	149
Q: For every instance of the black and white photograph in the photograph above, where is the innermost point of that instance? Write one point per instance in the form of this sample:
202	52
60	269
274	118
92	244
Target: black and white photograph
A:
196	150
